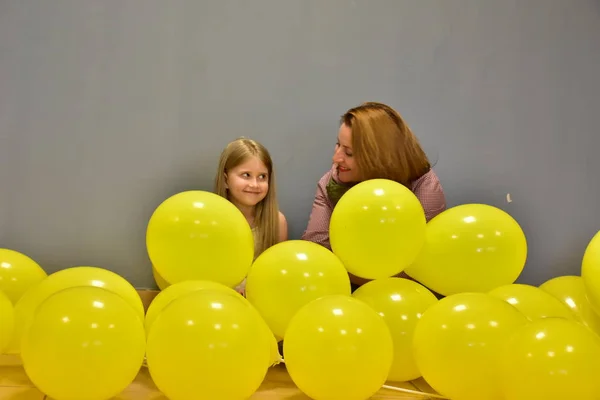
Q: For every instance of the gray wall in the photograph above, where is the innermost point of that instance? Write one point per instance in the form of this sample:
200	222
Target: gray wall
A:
109	107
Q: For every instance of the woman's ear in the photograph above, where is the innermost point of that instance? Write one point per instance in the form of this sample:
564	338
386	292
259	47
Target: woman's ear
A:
225	175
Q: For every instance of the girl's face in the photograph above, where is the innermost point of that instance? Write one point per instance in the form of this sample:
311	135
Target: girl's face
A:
343	157
248	183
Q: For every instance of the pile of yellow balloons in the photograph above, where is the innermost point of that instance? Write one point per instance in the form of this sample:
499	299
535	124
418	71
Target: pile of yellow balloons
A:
79	331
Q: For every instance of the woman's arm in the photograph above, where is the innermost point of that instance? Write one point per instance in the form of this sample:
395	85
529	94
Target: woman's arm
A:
317	230
430	193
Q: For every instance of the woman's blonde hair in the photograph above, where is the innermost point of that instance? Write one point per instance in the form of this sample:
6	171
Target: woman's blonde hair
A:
383	145
266	218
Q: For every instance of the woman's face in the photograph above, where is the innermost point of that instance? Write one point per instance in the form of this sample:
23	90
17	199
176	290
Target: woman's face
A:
343	157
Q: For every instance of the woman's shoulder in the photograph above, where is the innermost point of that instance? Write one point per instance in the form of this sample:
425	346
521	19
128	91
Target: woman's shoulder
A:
324	180
427	179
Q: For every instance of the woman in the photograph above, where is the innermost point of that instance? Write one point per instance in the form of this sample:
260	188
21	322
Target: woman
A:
373	142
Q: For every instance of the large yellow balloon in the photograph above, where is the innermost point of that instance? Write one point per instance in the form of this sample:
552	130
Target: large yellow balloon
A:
377	228
590	271
337	347
85	343
66	278
173	292
200	235
291	274
7	321
208	345
551	359
571	292
533	302
458	343
18	273
160	281
470	248
401	302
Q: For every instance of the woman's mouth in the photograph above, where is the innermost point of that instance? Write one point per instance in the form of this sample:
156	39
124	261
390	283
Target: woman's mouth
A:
342	169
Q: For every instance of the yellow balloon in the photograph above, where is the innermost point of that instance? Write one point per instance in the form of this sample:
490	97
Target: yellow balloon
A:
590	271
337	347
458	343
203	340
85	343
470	248
173	292
200	235
291	274
551	359
66	278
377	228
400	302
570	290
18	273
533	302
7	321
160	281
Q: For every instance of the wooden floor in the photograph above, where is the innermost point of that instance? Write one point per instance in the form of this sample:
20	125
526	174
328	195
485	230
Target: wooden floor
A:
14	385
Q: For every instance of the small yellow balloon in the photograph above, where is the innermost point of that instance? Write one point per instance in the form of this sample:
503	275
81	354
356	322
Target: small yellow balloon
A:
18	273
160	281
203	340
198	235
551	359
377	228
337	347
470	248
400	302
84	343
7	321
533	302
570	290
590	271
458	343
64	279
291	274
173	292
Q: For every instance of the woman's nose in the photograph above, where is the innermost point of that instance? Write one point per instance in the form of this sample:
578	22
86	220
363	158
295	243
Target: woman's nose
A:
337	156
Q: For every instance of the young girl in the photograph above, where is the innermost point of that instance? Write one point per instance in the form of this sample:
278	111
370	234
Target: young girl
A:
246	177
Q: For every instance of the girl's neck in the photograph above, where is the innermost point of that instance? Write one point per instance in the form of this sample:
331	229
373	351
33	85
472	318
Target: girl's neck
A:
248	211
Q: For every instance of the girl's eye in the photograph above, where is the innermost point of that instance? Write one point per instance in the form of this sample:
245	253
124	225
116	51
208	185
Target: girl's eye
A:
349	154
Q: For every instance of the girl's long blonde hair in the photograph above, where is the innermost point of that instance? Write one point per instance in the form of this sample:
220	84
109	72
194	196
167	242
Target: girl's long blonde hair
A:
266	217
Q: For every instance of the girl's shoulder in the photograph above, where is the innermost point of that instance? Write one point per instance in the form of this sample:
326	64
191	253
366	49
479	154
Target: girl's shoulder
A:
283	227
